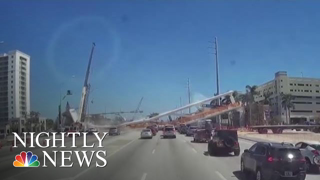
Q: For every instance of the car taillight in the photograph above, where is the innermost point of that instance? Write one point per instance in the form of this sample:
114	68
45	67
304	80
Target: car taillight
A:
236	144
315	152
272	159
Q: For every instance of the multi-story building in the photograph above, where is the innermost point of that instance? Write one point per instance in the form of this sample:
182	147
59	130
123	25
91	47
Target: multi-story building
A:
14	86
305	91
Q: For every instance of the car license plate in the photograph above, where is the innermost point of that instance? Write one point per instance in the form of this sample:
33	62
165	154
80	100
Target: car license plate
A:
288	173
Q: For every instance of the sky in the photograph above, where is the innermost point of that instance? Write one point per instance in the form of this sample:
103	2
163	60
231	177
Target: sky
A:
150	48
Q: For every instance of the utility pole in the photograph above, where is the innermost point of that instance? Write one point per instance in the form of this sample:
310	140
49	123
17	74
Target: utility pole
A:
217	74
180	105
189	95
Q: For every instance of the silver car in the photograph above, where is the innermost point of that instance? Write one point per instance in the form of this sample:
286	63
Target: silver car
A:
311	151
146	134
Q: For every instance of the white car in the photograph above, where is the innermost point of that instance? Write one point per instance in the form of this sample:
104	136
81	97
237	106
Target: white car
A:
146	134
169	132
311	152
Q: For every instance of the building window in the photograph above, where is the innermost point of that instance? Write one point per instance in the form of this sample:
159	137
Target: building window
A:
291	84
11	86
318	111
281	80
303	111
281	86
306	97
306	90
317	85
307	84
11	81
317	91
11	107
291	90
12	56
11	71
300	84
318	103
302	102
310	90
310	84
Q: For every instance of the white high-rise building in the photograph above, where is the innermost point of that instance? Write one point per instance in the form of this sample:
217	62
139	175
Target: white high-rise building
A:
14	85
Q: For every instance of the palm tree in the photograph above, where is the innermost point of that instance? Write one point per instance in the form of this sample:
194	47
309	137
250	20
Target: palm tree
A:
226	100
250	92
267	98
287	104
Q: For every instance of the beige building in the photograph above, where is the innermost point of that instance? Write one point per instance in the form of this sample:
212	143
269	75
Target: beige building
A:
306	92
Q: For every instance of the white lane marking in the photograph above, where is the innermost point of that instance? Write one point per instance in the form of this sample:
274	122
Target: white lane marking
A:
195	151
144	176
83	172
153	151
220	175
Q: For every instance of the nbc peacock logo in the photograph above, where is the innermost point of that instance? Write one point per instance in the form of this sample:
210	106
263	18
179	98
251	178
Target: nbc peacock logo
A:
26	160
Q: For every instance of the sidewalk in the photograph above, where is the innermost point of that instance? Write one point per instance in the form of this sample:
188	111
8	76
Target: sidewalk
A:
290	137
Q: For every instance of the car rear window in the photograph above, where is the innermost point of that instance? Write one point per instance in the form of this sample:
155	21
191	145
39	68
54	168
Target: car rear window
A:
284	153
226	134
146	130
316	146
168	129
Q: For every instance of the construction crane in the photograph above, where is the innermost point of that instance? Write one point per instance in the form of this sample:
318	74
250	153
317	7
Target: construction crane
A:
137	110
85	91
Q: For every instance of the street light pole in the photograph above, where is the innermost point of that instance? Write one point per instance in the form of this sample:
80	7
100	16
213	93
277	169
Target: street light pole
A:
217	75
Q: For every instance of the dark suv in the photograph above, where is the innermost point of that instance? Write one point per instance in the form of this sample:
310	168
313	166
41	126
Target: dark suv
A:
224	141
273	161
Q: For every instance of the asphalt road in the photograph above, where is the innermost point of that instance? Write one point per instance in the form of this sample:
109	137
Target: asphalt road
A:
132	158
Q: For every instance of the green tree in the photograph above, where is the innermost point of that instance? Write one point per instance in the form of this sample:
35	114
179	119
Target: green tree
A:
33	119
226	100
287	104
267	96
275	120
251	91
50	124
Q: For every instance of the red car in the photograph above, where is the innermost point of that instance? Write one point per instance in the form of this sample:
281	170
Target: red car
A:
201	135
153	130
